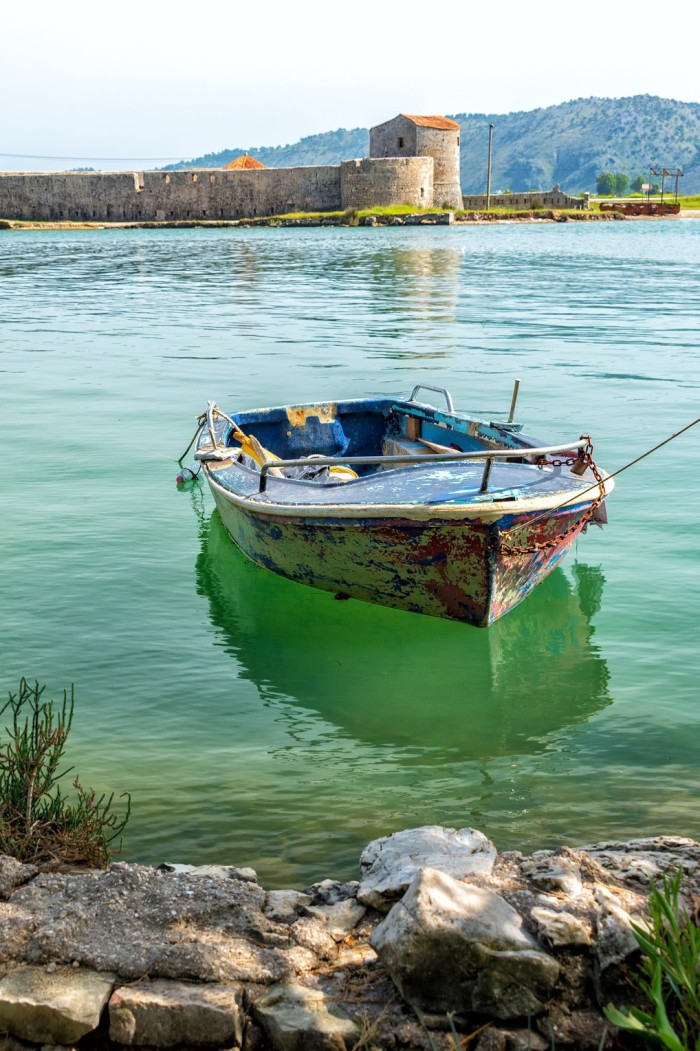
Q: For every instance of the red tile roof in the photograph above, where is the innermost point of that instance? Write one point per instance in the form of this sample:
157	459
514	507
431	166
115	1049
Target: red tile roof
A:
442	123
244	162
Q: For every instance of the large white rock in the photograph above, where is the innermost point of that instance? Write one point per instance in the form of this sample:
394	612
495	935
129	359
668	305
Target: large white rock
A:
297	1018
389	864
170	1014
452	946
52	1008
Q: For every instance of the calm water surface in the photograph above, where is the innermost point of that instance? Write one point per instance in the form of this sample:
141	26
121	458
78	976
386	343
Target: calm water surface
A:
256	721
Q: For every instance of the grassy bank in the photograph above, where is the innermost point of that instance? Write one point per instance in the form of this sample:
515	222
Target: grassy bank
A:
383	216
349	217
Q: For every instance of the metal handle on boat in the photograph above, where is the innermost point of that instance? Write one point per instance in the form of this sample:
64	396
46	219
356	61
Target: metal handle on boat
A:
211	409
214	410
439	390
513	401
488	455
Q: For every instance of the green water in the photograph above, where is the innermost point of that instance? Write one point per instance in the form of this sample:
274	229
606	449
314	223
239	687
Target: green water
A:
259	722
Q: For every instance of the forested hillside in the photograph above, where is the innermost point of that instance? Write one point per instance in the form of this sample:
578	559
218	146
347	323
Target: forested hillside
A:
569	144
329	147
572	143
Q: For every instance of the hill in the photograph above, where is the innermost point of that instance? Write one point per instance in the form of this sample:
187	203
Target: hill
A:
328	147
571	143
567	144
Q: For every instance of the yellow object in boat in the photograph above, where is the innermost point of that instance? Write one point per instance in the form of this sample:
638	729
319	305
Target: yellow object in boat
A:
250	446
342	472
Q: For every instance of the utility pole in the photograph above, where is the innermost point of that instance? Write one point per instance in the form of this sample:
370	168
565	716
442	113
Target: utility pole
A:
488	175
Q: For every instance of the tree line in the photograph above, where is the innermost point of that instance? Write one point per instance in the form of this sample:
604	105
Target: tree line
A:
617	184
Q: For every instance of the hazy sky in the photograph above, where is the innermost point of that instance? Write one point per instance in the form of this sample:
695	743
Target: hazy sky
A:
110	85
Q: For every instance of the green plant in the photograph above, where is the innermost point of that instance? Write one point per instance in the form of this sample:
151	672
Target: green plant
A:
37	822
668	976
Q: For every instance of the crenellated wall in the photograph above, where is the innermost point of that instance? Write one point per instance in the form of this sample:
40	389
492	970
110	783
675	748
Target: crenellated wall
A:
165	196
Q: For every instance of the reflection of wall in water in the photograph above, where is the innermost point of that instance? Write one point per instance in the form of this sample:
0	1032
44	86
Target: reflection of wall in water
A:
421	282
400	679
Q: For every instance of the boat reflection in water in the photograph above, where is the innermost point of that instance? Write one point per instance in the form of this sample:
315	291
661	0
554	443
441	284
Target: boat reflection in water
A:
430	689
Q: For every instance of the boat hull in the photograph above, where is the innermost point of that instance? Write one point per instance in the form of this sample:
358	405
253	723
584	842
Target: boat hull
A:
462	569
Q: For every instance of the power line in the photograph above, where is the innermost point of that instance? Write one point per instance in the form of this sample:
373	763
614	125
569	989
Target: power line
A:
51	157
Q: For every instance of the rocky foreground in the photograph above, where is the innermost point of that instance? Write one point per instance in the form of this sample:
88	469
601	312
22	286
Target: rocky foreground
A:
441	938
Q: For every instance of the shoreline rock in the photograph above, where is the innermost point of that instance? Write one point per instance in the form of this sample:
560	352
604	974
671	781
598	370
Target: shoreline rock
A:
526	949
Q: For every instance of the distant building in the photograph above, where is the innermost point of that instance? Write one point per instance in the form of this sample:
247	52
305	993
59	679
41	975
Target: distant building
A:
532	199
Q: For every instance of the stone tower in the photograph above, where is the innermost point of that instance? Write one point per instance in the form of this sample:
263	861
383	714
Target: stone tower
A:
436	137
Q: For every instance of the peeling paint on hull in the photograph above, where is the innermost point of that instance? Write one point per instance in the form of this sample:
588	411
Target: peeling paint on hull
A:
430	532
442	568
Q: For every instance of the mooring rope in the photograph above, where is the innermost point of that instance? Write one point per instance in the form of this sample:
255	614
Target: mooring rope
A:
653	449
614	474
200	423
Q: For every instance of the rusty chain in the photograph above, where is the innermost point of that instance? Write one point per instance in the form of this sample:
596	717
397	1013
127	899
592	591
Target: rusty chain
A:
579	465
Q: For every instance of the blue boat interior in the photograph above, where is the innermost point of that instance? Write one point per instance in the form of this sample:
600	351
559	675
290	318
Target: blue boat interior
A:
382	426
385	427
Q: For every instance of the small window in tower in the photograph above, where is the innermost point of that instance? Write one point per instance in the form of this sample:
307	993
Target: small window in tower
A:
458	140
400	142
422	191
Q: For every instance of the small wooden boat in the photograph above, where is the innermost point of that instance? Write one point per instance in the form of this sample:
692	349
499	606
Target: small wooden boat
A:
398	502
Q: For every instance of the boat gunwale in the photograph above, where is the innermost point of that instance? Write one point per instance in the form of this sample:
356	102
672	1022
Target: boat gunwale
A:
485	511
408	460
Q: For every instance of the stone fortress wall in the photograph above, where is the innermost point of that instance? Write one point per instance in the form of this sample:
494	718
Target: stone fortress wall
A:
417	176
168	196
554	198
